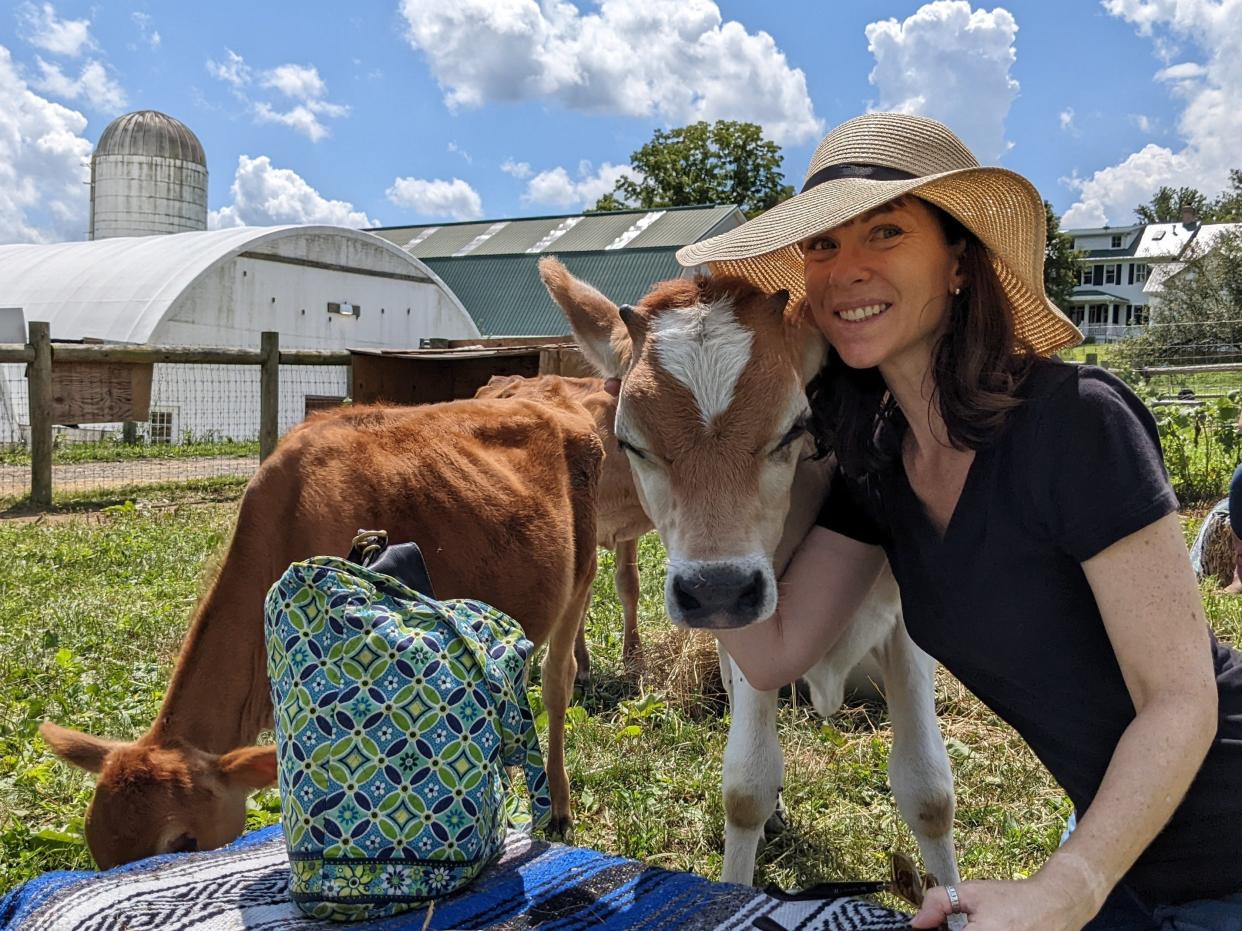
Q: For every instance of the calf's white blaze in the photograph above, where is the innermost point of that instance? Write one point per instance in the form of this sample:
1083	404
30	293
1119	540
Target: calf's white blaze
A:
705	349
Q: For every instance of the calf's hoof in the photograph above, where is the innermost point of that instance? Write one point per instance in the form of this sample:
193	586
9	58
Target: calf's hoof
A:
632	660
561	828
777	822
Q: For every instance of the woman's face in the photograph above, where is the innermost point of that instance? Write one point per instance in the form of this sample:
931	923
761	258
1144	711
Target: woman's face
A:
878	287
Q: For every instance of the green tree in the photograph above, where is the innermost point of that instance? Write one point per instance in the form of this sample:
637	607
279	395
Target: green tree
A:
1226	207
726	162
1060	261
1197	315
1166	205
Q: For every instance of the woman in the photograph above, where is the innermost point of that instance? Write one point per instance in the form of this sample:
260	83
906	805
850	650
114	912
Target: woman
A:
1025	510
1235	524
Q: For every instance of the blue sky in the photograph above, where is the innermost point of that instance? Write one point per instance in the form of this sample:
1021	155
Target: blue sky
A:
409	111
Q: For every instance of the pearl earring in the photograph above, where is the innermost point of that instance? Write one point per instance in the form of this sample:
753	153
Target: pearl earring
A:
957	291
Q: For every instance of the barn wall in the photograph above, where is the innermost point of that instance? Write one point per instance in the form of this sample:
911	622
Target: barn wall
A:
239	298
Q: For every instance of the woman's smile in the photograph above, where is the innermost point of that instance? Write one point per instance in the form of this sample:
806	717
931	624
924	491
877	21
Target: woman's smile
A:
857	313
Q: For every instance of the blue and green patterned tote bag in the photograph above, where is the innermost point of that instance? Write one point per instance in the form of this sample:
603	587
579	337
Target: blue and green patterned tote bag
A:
396	717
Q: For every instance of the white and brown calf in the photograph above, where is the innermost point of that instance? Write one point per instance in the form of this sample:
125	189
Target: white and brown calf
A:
712	415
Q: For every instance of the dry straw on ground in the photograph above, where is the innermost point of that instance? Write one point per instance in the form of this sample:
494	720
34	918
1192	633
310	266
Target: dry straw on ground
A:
1218	550
683	666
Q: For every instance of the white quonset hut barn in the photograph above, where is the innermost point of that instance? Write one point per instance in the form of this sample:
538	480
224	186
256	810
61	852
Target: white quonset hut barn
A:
319	287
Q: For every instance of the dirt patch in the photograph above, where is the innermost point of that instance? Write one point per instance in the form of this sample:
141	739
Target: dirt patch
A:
101	476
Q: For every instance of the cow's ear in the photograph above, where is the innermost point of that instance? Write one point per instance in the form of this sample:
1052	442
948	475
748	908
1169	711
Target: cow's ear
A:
605	340
251	767
82	750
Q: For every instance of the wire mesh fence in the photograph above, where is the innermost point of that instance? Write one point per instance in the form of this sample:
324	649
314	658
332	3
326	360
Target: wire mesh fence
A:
203	425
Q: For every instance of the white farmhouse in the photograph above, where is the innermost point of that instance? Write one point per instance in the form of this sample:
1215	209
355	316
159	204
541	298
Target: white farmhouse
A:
1114	267
1122	271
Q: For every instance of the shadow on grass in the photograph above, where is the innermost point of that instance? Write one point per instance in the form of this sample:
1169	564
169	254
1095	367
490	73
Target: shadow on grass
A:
164	494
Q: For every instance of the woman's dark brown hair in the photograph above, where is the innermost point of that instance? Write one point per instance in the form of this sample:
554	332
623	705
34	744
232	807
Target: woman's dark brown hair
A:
977	366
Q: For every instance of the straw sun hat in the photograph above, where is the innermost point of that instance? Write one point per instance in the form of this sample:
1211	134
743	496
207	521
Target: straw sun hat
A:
873	159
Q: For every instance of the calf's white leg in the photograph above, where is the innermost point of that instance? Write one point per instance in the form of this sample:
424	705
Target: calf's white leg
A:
918	765
753	769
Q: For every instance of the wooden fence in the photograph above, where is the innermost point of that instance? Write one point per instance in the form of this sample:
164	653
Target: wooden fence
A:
40	355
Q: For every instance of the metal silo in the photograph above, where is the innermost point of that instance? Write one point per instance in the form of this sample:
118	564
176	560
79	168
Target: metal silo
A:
148	176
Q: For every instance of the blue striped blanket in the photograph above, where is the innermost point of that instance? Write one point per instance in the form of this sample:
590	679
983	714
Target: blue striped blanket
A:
533	885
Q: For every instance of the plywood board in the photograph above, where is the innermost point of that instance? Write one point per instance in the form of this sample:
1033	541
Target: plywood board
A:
100	392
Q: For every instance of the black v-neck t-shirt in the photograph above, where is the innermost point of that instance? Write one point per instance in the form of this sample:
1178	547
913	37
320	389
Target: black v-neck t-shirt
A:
1002	602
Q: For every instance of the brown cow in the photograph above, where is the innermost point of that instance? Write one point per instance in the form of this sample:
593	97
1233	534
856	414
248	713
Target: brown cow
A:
499	495
619	516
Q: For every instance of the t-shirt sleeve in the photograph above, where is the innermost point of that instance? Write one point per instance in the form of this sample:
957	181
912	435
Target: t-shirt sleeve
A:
1106	478
845	512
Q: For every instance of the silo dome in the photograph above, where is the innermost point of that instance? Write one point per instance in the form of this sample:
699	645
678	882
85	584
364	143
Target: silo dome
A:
148	176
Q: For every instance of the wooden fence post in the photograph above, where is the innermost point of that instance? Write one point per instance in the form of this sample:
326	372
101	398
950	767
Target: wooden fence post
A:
269	393
39	384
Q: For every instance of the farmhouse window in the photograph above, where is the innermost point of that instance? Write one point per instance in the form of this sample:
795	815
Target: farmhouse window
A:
1117	241
161	427
1140	273
1110	274
1085	278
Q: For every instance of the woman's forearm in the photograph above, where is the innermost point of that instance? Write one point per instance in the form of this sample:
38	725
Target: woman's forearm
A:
1150	771
826	582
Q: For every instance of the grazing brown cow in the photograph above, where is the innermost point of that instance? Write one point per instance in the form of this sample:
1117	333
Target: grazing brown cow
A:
499	495
712	414
619	516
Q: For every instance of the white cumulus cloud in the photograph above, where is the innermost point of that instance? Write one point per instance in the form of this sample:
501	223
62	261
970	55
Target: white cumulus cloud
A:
950	62
1210	123
437	198
93	85
556	188
300	83
1067	119
44	160
516	169
264	195
233	70
677	60
43	29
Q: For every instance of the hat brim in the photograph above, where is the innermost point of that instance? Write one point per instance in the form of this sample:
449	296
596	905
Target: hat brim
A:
999	206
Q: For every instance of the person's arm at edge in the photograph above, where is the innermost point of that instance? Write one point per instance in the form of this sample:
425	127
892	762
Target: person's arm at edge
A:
823	586
1152	611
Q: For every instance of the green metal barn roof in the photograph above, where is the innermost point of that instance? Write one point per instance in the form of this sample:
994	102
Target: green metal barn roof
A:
490	265
522	307
668	227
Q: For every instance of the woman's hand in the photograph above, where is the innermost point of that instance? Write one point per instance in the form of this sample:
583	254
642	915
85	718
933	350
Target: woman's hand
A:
1034	904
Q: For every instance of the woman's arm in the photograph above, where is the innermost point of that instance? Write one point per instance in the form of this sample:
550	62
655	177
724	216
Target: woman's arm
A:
1150	604
821	589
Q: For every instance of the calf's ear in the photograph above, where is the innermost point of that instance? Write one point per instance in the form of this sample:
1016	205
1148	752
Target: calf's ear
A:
597	324
82	750
251	767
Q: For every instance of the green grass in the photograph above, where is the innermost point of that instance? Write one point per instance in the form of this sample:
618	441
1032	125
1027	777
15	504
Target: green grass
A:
112	450
92	607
